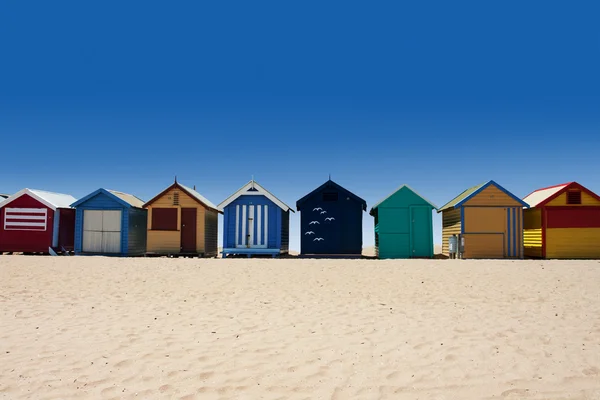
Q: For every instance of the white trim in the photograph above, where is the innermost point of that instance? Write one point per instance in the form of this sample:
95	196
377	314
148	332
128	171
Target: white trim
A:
266	244
244	222
6	224
237	225
56	228
42	219
259	239
32	193
27	210
260	192
34	217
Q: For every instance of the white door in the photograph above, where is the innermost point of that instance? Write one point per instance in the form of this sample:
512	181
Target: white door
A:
111	231
101	231
92	231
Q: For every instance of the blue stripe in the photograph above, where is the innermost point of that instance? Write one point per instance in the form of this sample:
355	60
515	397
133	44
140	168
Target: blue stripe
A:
514	226
508	231
462	220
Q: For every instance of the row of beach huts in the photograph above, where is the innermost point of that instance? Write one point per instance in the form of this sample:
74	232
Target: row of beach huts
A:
485	221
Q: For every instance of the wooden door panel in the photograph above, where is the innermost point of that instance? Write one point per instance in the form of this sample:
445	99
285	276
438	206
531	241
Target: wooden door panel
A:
188	229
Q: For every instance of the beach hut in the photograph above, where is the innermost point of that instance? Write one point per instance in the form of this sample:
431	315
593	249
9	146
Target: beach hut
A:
403	225
108	222
255	222
182	221
34	221
490	220
563	222
331	221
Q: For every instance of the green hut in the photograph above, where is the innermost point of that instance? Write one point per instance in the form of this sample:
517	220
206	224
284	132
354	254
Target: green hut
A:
403	225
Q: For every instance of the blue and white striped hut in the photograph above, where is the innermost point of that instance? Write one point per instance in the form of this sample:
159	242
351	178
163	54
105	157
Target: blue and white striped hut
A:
255	222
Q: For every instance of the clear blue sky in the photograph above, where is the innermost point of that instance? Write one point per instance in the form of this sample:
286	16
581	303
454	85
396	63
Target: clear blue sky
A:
438	95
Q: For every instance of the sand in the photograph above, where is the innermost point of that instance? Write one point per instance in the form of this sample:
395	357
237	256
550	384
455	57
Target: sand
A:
157	328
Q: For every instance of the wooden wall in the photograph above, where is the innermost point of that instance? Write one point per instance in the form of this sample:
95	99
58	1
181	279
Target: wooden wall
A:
170	241
492	196
532	232
586	200
573	243
451	225
211	233
493	232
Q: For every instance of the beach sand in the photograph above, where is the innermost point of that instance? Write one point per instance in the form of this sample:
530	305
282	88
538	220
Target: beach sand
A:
157	328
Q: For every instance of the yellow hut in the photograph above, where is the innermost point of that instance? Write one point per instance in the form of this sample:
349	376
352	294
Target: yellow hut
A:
563	222
490	220
182	221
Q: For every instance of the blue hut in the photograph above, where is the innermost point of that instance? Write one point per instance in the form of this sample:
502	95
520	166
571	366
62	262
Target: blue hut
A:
255	222
108	222
331	221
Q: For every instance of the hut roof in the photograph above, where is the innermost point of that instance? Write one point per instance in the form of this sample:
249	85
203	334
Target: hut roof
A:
252	188
50	199
330	184
544	195
473	191
128	200
396	191
190	192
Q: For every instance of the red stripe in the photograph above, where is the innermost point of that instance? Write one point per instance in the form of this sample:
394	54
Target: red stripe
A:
576	217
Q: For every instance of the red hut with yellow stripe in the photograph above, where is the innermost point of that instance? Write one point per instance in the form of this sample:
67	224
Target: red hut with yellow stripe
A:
563	222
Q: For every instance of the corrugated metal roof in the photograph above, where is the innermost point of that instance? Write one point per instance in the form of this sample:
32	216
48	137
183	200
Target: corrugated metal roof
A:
396	191
198	196
128	198
540	195
462	196
58	199
51	199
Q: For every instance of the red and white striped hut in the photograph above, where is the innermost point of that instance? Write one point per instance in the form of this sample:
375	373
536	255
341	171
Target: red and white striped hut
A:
34	221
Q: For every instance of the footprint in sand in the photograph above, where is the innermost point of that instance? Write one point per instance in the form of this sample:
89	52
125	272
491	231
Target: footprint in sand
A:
515	392
593	371
165	388
205	375
124	363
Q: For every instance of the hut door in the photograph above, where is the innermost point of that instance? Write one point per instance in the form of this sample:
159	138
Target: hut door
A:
101	231
188	230
251	226
420	243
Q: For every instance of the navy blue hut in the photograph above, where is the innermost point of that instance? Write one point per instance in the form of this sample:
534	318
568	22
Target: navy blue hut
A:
331	221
